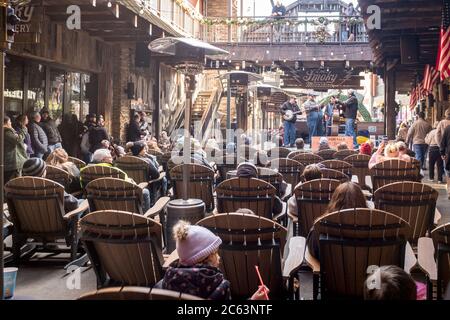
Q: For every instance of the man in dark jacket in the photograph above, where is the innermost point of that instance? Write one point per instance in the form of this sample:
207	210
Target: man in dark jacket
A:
14	150
51	130
134	130
39	140
289	125
350	108
97	134
444	148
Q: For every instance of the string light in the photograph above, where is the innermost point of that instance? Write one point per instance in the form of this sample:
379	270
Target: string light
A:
94	3
150	29
135	21
243	64
141	12
268	39
257	61
267	51
109	4
117	10
299	53
332	53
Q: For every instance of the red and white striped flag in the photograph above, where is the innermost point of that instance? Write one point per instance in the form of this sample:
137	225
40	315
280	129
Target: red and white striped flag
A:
430	77
443	60
413	98
434	78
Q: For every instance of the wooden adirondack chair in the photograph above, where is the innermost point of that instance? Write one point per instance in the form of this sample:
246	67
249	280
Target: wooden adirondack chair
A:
307	158
342	154
226	164
290	169
334	174
247	153
136	293
352	240
326	154
93	172
79	163
412	201
158	154
124	248
360	167
201	183
276	153
249	193
297	152
249	240
393	170
36	209
312	201
344	167
60	176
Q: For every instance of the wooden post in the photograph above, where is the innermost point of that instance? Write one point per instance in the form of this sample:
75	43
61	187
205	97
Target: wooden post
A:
157	99
389	103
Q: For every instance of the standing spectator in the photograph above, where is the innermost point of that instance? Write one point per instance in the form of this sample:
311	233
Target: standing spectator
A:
402	132
434	155
312	116
97	134
442	125
91	120
329	112
39	140
51	130
416	136
14	150
134	131
22	122
278	9
445	154
289	125
71	131
350	108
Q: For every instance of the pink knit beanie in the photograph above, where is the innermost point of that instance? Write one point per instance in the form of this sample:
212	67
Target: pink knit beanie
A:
194	243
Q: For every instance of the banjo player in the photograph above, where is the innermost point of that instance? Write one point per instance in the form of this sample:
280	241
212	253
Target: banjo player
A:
289	110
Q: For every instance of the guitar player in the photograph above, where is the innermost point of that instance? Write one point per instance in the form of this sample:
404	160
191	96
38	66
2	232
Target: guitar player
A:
289	124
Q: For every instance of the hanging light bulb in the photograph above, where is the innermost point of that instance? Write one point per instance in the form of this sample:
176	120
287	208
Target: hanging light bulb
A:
299	53
109	4
117	10
135	21
332	53
94	3
141	12
243	64
150	29
257	61
267	51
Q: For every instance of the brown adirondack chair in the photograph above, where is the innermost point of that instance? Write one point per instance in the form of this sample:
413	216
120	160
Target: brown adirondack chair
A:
60	176
249	193
414	202
360	167
249	241
342	154
247	152
294	153
352	240
158	154
93	172
36	209
312	201
79	163
326	154
344	167
201	183
226	164
276	153
136	293
307	158
334	174
393	170
124	248
290	169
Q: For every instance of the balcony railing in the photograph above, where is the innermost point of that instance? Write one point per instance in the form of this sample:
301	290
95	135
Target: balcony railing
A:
301	29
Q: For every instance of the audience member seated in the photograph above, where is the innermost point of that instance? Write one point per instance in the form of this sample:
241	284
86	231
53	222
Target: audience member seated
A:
300	144
164	142
387	152
390	283
404	152
36	167
59	158
323	144
197	270
366	149
342	146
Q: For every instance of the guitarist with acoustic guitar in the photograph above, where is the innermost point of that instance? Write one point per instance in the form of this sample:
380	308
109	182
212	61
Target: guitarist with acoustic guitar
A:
289	110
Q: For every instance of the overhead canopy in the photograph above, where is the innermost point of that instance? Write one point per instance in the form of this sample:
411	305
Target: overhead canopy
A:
184	48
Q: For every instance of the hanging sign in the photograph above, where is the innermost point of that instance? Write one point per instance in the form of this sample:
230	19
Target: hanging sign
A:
30	27
318	79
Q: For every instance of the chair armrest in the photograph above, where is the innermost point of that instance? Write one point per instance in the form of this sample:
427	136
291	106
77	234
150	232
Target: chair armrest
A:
292	217
169	259
410	258
425	257
157	208
143	185
161	176
81	208
437	216
312	262
295	255
287	193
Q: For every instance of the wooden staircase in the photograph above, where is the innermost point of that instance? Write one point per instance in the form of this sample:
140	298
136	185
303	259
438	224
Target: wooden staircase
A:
200	105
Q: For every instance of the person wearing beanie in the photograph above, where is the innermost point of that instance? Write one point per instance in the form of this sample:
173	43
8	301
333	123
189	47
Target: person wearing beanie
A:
366	149
197	270
36	167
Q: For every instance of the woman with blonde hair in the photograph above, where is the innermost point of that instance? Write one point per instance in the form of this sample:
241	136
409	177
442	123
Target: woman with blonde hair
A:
59	158
385	152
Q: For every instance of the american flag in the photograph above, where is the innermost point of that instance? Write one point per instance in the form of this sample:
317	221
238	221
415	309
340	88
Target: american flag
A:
413	98
443	61
430	77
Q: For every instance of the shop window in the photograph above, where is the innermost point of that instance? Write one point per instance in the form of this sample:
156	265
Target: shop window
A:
36	87
85	104
13	88
74	93
56	98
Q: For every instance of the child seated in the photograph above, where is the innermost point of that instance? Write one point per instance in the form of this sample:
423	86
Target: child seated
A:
390	283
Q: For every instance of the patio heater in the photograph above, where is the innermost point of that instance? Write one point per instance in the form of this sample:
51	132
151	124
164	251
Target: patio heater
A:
187	55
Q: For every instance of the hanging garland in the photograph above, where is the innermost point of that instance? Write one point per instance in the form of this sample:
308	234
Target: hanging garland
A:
273	21
187	8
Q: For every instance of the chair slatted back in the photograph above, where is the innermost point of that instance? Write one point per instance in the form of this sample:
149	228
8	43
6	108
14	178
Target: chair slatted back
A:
352	240
114	194
164	160
441	239
414	202
334	174
291	170
339	165
124	248
136	168
271	176
59	175
247	193
249	240
416	164
158	154
342	154
79	163
201	183
247	153
313	198
136	293
307	158
36	206
360	167
226	164
393	170
294	153
93	172
326	154
280	152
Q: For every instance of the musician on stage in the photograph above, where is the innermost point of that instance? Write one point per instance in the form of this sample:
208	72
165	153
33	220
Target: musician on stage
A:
290	109
328	114
312	116
350	108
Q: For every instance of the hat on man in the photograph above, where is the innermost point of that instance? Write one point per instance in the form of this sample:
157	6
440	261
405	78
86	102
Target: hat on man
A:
34	167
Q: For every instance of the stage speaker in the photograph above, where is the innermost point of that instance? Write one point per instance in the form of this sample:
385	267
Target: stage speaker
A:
142	55
409	49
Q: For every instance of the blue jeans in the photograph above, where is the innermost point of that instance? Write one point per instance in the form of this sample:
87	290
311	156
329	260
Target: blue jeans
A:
313	122
421	153
289	133
350	130
52	147
329	123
